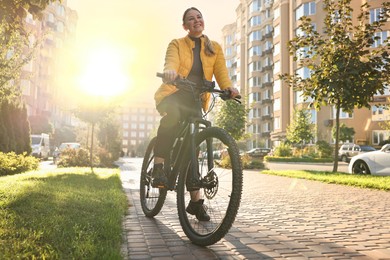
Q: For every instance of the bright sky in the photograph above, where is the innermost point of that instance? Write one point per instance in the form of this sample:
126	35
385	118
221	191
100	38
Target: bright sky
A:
132	37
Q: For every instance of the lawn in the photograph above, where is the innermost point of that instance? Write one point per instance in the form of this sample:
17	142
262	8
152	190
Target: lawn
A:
363	181
68	213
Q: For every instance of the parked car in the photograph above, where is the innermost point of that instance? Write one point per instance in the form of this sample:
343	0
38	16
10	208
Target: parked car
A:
348	150
258	152
62	147
376	163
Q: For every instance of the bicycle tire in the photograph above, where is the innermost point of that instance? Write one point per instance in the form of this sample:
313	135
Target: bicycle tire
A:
222	200
152	199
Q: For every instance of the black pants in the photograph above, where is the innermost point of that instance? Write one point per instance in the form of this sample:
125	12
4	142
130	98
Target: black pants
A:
178	106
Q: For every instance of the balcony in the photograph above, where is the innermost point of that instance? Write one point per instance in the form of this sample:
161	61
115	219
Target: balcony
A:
267	67
266	117
268	51
266	84
265	134
267	101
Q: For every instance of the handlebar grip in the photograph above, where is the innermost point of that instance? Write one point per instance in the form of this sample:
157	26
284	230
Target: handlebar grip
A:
160	75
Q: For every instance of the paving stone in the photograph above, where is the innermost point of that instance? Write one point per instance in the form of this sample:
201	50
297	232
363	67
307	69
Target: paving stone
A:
279	218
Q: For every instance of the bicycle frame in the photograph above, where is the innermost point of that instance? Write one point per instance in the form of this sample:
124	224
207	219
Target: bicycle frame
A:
184	143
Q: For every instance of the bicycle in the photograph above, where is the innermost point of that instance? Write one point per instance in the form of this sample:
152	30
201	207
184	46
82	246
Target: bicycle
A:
203	156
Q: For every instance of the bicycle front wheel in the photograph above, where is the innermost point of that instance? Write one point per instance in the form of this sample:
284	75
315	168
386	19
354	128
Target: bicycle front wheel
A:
152	199
221	187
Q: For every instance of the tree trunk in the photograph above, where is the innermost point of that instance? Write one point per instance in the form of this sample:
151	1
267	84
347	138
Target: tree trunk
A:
91	149
336	146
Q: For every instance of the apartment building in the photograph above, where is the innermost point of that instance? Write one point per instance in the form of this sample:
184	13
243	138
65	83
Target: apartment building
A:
39	81
262	31
140	121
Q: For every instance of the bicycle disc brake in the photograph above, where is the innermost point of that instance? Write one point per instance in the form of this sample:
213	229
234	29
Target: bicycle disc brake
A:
210	184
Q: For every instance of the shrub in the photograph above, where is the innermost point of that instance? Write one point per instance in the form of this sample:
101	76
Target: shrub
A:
324	149
106	158
246	161
283	150
76	158
12	163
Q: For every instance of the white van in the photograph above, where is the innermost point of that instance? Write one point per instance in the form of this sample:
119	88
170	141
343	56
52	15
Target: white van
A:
40	145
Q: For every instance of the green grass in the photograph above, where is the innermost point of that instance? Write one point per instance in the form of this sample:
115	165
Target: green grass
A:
67	213
362	181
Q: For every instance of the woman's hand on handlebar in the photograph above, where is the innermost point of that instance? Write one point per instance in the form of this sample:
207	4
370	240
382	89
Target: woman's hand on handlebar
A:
234	93
169	76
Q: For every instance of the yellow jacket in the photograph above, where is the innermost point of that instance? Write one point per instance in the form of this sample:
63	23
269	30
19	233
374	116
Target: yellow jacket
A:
179	57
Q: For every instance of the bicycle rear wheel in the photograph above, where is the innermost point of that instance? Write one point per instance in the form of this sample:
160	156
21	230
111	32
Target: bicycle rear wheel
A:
152	199
222	192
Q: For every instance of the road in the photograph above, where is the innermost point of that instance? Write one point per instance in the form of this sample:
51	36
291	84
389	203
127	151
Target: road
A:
279	218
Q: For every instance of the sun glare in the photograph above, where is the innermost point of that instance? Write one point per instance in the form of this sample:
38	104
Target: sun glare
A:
104	73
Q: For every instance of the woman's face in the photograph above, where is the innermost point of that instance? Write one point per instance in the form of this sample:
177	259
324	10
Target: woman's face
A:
193	22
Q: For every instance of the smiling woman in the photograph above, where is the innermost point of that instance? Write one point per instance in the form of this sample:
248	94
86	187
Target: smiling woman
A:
104	73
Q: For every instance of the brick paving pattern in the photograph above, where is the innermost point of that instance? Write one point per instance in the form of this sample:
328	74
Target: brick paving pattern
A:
279	218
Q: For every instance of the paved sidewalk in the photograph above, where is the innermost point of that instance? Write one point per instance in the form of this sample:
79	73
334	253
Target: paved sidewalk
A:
279	218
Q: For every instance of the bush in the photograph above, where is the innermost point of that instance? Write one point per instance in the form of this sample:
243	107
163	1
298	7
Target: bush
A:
283	150
12	163
324	149
246	161
76	158
106	158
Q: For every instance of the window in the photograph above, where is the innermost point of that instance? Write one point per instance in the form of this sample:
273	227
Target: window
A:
375	14
276	31
379	136
25	86
276	67
125	125
60	27
254	51
255	36
277	123
254	66
254	97
305	10
254	82
255	5
277	13
228	39
343	115
276	104
313	116
255	20
303	72
277	84
382	36
229	51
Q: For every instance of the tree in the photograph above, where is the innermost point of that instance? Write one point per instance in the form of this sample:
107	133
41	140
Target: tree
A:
300	130
15	52
345	71
109	135
232	118
345	133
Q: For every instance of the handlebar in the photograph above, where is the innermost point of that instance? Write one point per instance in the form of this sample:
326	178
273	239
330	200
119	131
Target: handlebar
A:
208	86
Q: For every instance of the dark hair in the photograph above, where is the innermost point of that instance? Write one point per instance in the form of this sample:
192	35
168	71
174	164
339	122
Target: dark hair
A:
189	9
209	49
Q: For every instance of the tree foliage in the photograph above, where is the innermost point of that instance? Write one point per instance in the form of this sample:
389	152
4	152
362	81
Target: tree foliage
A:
16	50
232	118
300	130
345	133
345	71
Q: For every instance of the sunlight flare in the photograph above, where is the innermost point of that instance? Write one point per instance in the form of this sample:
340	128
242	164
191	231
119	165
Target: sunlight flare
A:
104	73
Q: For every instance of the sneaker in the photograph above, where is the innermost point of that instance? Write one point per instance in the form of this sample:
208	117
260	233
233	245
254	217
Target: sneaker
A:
159	178
198	209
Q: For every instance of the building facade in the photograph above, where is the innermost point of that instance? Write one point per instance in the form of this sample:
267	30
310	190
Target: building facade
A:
139	124
39	81
261	34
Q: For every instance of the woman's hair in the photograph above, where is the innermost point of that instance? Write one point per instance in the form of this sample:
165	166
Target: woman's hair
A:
209	49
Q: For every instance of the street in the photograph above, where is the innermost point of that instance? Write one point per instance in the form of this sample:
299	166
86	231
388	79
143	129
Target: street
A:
279	218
